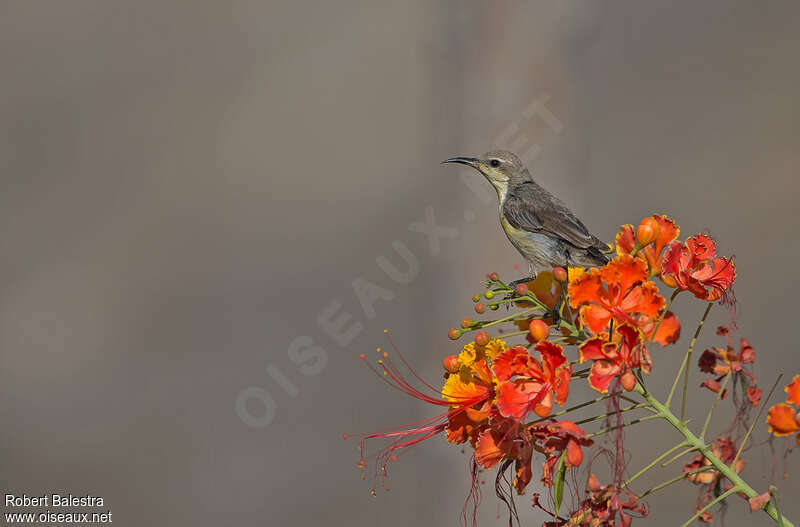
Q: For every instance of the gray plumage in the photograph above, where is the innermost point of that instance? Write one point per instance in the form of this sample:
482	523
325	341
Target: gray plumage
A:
537	223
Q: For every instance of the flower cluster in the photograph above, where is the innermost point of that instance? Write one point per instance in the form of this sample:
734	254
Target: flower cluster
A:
500	398
721	362
601	507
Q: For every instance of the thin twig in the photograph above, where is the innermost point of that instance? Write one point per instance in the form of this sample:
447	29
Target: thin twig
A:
654	463
711	504
673	480
689	358
720	393
753	424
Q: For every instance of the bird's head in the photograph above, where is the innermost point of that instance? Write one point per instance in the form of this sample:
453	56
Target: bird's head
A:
499	167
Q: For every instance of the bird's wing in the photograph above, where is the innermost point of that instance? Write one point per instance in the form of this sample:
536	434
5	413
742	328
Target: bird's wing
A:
531	208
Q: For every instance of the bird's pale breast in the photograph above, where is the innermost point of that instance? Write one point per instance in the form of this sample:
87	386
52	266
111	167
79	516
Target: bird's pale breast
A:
538	249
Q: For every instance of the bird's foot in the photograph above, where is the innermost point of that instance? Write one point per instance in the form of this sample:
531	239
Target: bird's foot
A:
513	286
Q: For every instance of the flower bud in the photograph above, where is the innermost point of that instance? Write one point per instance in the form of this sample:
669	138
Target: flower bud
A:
560	274
522	289
481	338
647	231
450	363
489	294
494	307
480	308
453	334
628	380
539	330
467	322
476	297
494	276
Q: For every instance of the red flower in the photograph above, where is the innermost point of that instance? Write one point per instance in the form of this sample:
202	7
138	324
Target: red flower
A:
526	383
694	266
620	290
615	357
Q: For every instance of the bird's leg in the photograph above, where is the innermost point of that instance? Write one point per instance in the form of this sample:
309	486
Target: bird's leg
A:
513	285
560	299
558	305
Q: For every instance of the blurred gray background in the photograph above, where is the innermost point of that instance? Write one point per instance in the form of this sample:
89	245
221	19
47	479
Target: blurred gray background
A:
190	188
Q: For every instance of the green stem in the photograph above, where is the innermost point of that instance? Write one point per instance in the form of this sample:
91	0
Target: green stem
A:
689	358
655	462
740	484
711	504
514	334
635	421
572	408
506	319
714	404
678	456
773	493
603	416
673	480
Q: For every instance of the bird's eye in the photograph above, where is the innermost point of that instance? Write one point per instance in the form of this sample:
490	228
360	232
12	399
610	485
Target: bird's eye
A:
494	163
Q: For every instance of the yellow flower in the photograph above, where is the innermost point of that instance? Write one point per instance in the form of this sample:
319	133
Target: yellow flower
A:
468	355
494	348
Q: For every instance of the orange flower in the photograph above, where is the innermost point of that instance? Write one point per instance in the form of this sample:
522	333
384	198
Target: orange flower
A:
651	252
782	418
793	391
694	266
615	357
619	290
526	383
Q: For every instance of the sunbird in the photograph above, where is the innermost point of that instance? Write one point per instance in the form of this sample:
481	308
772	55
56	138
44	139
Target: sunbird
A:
537	223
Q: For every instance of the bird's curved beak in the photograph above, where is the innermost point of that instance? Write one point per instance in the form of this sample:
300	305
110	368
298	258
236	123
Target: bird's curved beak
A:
469	161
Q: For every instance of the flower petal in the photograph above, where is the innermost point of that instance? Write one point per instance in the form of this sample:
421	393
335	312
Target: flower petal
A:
793	391
781	420
552	354
487	449
754	395
514	398
595	348
644	299
701	247
574	453
624	271
506	366
585	288
626	240
746	354
668	232
669	331
595	317
463	393
601	375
